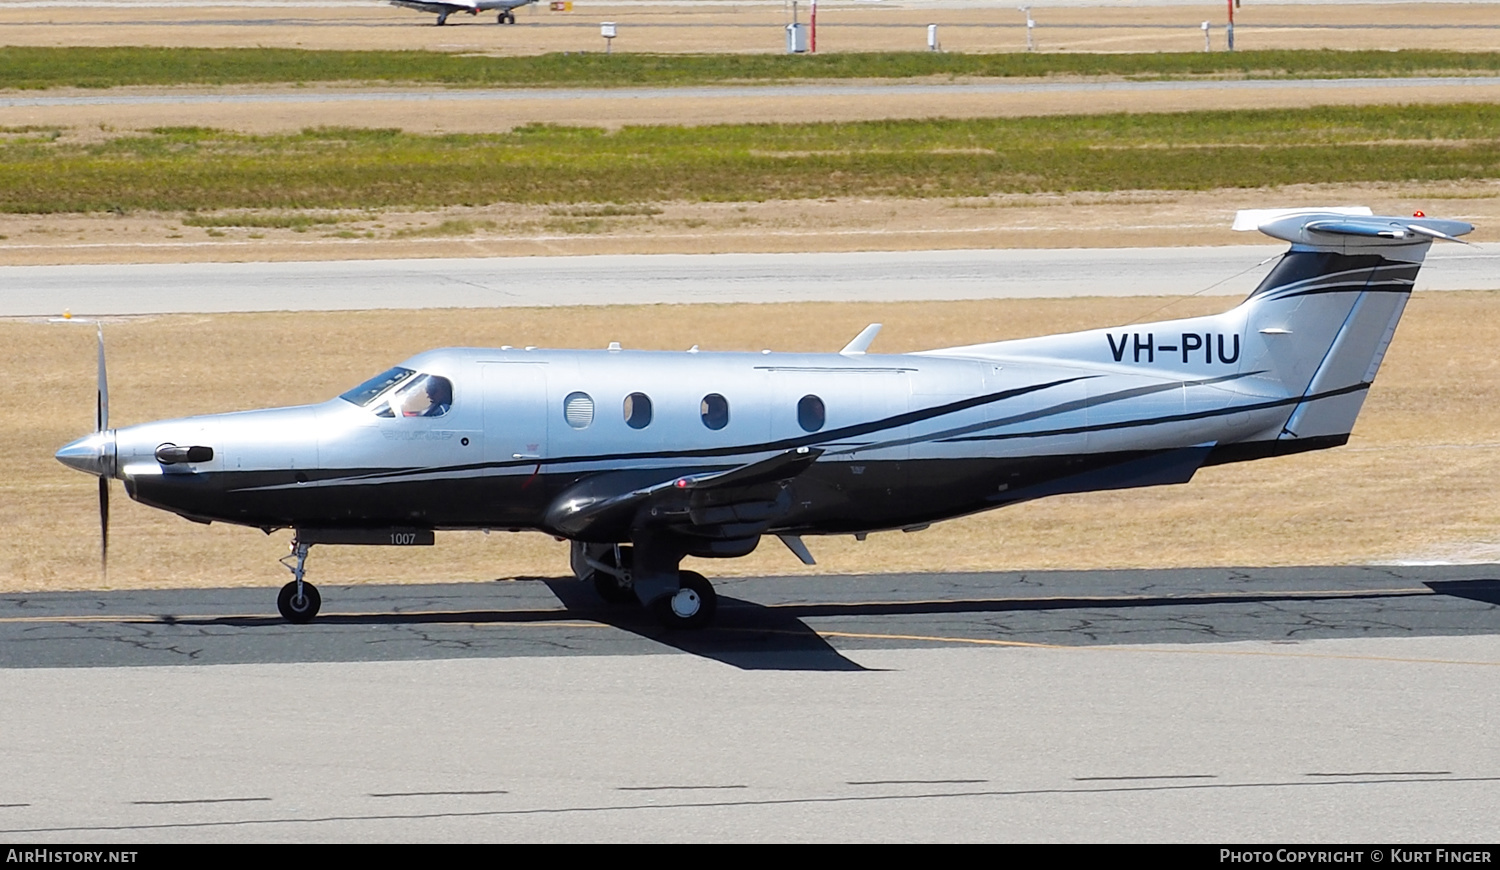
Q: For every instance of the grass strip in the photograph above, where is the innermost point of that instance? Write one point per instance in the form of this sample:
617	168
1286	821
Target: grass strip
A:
105	67
194	168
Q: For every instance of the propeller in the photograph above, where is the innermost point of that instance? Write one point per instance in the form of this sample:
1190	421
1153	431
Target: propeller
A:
95	454
101	424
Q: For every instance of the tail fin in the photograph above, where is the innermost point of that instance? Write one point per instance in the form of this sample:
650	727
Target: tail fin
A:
1320	323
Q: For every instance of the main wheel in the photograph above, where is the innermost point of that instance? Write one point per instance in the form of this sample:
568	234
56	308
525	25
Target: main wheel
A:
609	586
691	606
506	18
299	610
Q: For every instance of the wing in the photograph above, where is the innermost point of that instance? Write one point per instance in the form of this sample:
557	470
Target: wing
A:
736	503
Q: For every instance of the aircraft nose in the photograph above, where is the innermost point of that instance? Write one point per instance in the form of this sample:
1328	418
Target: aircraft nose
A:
90	454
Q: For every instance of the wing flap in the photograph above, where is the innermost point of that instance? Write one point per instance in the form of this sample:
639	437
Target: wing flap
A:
725	503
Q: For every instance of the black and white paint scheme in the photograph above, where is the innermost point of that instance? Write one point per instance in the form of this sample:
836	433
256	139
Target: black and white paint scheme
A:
641	458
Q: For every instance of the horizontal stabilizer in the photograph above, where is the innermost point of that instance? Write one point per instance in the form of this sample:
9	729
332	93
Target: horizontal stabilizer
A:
1247	219
1343	230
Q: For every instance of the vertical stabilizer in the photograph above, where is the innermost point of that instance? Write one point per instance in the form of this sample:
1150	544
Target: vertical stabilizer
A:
1321	322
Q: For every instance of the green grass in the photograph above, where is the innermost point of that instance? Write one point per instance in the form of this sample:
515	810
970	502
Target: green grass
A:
93	67
182	169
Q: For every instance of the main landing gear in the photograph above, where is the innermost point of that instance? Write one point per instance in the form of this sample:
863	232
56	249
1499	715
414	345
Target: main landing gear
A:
299	600
691	606
610	569
506	18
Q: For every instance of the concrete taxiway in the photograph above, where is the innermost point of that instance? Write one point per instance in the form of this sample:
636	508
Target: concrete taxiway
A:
1266	704
31	291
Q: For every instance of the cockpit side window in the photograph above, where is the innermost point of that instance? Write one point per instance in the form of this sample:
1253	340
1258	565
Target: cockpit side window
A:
425	396
366	393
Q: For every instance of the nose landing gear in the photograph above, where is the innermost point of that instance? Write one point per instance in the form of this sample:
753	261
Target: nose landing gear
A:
299	600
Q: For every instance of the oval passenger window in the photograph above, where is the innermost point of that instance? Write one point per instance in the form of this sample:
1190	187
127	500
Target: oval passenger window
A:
637	410
715	411
578	410
810	413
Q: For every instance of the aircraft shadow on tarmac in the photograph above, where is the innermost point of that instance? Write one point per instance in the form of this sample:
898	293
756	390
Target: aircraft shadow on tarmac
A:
1486	591
754	636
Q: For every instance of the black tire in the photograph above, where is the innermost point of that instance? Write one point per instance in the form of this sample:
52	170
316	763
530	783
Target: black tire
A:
609	587
669	609
299	613
506	18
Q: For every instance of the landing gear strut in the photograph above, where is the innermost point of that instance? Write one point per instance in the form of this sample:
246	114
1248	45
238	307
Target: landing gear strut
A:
299	600
678	599
607	567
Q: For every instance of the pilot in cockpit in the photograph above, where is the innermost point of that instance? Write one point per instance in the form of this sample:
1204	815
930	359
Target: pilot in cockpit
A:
433	400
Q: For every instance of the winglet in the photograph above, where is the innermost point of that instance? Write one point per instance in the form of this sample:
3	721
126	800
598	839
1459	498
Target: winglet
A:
862	341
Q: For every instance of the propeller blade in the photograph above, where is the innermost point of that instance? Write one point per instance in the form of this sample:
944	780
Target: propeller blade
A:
104	524
101	417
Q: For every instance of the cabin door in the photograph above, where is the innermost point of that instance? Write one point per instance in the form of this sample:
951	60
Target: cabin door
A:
515	413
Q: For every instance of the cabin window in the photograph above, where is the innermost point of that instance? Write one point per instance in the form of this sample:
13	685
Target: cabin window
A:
714	409
367	392
637	410
811	414
578	410
426	396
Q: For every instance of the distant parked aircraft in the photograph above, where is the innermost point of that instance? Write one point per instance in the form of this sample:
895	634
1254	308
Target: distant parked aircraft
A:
443	8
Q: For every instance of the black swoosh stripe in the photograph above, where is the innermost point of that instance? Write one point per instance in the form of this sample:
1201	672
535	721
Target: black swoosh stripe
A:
1173	418
1371	288
1369	273
1076	404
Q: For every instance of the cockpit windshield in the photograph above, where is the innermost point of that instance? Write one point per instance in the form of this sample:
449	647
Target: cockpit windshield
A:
424	396
366	392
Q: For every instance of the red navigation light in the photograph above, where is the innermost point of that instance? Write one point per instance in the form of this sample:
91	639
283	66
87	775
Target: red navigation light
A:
1418	213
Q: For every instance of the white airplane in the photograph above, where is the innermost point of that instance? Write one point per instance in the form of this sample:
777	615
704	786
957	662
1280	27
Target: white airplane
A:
642	458
443	8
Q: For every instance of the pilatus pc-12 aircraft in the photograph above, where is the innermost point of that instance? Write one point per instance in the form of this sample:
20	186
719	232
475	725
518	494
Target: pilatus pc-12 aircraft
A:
443	8
642	458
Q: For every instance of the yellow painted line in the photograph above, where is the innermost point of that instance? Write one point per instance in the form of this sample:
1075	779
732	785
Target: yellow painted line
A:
937	639
1206	650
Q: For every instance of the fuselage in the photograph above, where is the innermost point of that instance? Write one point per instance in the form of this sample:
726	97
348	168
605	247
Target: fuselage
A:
906	439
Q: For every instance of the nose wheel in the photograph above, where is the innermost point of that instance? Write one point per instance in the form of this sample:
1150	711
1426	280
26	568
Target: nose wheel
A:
299	606
299	600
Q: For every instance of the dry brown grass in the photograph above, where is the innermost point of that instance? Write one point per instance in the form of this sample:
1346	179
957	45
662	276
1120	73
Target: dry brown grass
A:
645	27
1419	479
1121	219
